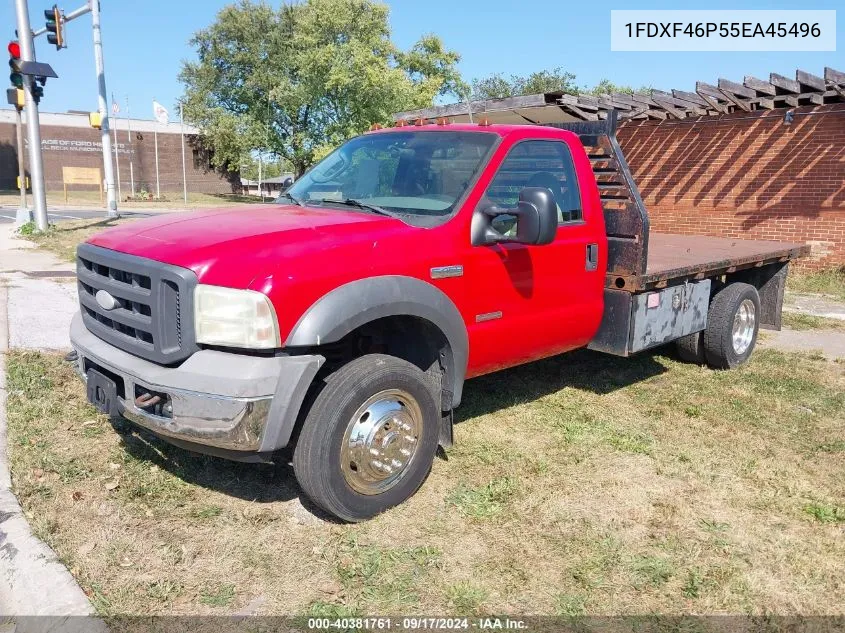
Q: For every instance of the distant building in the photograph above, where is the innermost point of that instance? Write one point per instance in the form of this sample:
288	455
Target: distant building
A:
270	188
67	140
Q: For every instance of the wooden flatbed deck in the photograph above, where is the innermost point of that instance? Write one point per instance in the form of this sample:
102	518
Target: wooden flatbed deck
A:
675	257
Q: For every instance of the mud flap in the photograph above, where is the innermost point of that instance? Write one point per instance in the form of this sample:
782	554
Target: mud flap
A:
446	434
447	419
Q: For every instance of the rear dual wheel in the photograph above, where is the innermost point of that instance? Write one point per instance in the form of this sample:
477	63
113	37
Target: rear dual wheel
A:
733	323
369	439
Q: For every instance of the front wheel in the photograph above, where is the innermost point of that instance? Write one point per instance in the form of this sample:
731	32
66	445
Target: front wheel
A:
369	439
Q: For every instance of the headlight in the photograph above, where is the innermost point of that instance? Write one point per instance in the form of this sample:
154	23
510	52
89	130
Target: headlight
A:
234	318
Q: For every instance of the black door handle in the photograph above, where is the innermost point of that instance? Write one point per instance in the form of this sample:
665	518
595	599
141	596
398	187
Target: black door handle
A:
592	256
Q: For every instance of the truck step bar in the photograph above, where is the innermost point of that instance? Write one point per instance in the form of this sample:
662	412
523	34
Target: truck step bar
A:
625	215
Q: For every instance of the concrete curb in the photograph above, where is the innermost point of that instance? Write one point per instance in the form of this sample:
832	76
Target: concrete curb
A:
32	580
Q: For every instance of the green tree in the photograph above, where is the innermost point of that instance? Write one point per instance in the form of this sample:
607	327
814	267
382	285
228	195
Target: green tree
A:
298	80
496	86
606	87
270	167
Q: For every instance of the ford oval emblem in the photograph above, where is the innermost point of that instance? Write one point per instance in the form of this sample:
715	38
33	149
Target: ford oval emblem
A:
105	300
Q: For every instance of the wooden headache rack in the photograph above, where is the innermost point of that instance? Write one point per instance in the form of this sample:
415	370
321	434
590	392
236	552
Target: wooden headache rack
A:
625	215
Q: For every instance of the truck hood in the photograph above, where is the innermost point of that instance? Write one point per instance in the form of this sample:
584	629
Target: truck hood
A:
234	247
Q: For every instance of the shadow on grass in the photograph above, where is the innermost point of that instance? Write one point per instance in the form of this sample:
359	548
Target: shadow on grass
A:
582	370
262	483
255	482
105	223
267	483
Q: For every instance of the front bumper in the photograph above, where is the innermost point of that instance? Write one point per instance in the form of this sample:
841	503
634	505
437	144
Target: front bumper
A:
220	400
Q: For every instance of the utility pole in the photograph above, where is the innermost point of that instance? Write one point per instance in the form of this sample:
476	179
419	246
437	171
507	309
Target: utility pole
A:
130	146
23	215
115	110
117	158
108	166
184	167
33	123
155	143
260	190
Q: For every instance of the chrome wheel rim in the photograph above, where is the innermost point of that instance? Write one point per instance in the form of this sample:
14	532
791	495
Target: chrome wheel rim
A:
381	442
743	328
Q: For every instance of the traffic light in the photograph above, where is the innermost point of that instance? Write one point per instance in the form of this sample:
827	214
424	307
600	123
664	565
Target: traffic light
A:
15	77
37	88
55	27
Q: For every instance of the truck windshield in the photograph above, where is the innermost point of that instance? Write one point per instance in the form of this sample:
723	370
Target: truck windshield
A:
413	173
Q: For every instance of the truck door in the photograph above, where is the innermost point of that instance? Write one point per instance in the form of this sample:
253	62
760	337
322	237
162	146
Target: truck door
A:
535	301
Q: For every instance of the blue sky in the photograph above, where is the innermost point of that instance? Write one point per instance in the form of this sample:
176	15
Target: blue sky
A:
146	40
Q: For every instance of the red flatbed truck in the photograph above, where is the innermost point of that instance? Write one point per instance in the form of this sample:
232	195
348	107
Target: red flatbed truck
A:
343	321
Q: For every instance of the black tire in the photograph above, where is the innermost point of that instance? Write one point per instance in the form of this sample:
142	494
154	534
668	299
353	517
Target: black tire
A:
690	348
718	340
317	455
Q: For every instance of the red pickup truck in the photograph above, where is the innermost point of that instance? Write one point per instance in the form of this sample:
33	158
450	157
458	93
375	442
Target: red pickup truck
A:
344	320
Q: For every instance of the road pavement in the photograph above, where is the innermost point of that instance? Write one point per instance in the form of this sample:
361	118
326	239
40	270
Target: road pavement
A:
56	215
33	581
40	294
7	215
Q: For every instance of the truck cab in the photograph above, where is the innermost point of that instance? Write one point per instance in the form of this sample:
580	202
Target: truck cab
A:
343	321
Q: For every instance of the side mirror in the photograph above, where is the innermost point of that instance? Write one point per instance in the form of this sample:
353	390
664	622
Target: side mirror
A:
536	219
287	183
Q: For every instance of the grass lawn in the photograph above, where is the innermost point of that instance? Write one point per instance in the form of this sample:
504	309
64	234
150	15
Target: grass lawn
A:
91	199
828	282
801	321
582	484
62	239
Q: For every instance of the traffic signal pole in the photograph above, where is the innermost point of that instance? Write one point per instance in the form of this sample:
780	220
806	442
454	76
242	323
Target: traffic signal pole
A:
108	165
33	124
23	215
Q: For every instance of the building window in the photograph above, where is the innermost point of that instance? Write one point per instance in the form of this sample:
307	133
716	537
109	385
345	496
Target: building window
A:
202	159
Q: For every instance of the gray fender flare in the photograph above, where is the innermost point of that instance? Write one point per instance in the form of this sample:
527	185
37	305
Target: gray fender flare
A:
358	302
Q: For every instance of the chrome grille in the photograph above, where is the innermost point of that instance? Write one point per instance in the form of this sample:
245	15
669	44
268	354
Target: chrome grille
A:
153	313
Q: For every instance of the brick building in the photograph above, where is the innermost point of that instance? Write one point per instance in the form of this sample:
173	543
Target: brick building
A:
755	160
68	140
746	175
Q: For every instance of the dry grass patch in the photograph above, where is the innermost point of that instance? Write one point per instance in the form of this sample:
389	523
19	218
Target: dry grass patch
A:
801	321
582	484
62	239
828	282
